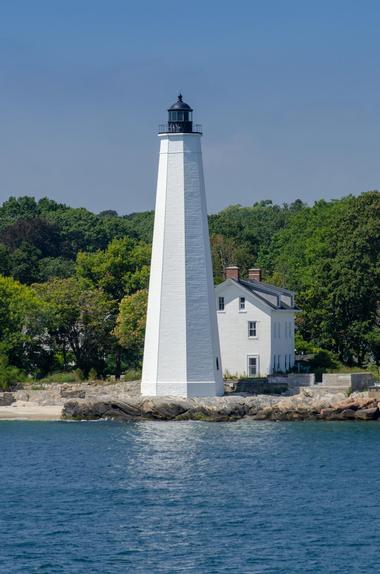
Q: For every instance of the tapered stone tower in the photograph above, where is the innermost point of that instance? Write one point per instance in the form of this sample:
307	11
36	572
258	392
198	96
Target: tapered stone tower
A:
181	354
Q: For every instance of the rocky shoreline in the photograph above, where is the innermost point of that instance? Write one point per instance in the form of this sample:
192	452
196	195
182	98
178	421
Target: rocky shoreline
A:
122	401
299	407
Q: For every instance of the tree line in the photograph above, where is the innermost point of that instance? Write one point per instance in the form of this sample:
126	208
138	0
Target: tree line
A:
73	284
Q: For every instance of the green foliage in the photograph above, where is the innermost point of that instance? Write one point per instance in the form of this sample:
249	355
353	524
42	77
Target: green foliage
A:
86	264
140	226
253	226
79	321
66	377
9	375
130	326
132	375
21	322
50	267
329	253
122	268
227	251
92	375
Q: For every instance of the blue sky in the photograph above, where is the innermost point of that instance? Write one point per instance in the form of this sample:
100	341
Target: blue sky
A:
287	92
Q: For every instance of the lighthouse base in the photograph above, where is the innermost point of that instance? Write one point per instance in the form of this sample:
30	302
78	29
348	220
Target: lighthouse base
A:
183	389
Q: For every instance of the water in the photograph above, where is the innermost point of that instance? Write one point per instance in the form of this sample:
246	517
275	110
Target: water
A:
191	497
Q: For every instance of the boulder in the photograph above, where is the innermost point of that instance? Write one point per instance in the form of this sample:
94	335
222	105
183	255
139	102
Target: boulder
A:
6	399
369	414
165	408
73	393
348	414
21	396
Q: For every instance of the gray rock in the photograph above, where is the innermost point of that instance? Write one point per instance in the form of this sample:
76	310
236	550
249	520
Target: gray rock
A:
165	408
6	399
348	414
227	408
21	396
73	393
367	414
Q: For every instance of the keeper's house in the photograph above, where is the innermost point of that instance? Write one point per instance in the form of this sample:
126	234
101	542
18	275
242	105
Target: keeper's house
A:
256	325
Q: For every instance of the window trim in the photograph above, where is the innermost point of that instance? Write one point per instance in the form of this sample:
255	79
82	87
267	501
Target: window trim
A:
255	336
257	365
242	301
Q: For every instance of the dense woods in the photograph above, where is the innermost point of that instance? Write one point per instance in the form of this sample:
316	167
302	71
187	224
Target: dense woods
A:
73	284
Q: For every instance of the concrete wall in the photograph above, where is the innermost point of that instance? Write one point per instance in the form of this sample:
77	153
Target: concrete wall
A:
294	379
355	381
374	393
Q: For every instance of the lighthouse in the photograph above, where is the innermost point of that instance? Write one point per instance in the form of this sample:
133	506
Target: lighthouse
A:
181	352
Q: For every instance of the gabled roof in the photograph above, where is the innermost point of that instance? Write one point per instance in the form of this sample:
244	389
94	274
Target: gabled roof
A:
275	297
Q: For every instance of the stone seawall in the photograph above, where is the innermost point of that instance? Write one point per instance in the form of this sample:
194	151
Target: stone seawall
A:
296	408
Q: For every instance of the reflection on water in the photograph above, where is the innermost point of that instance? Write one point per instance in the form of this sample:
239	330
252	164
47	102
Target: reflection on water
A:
190	497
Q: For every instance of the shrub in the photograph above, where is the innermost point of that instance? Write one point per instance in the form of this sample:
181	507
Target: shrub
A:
9	375
92	375
132	375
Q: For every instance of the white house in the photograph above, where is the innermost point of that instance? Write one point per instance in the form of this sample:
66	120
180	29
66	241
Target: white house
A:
256	325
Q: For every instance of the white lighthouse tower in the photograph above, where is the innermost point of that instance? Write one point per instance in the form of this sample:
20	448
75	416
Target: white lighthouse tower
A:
181	354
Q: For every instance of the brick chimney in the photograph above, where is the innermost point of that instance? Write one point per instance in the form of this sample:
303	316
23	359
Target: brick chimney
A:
254	274
232	272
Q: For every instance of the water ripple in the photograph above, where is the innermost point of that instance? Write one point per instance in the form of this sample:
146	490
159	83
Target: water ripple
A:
198	498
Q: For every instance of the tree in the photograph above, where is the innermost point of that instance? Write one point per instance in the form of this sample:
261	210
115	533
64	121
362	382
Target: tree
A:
50	267
22	315
37	232
227	251
373	339
139	226
329	253
130	326
17	208
122	268
80	321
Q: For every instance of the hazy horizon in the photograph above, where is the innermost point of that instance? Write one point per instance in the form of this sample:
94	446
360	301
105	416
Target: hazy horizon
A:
287	94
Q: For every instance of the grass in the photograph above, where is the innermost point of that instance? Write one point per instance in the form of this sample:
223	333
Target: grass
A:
71	377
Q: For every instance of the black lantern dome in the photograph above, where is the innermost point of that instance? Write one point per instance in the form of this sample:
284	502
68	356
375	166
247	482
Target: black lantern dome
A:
180	119
180	105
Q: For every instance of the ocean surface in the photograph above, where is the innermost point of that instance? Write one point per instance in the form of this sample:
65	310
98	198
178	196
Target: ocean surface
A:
194	497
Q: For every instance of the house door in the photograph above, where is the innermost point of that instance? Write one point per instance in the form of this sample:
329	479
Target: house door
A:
253	365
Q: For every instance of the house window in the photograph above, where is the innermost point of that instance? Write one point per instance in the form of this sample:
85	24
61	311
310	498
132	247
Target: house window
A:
252	329
217	364
252	366
242	304
286	359
274	363
278	363
221	304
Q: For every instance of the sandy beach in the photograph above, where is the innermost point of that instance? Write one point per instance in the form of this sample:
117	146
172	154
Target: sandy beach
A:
29	412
